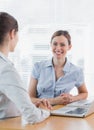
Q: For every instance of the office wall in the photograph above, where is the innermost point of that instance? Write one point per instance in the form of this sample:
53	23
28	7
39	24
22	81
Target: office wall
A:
82	12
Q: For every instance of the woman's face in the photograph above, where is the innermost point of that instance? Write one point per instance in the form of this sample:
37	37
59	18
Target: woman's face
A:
60	46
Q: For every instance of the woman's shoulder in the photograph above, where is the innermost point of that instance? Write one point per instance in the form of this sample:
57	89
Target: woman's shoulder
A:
7	70
3	64
75	67
42	63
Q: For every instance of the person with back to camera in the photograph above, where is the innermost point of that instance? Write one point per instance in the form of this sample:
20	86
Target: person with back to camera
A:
54	79
14	99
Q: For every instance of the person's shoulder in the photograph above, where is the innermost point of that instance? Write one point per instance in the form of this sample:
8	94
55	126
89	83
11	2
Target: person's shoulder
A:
75	67
41	63
3	64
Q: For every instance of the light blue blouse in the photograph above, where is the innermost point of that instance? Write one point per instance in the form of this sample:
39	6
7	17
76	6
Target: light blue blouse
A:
48	86
14	99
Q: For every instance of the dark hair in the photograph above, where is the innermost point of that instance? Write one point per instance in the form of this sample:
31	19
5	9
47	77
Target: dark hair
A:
64	33
7	24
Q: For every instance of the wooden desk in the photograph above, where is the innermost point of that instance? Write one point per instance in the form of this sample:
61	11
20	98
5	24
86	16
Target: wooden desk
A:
52	123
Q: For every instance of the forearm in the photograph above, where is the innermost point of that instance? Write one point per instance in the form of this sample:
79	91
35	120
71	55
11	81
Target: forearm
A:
80	96
56	100
35	99
38	101
52	101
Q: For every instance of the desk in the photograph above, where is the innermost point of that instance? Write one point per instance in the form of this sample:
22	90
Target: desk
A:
52	123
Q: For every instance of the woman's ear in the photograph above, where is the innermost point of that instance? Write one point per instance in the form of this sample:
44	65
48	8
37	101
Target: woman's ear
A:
12	33
70	46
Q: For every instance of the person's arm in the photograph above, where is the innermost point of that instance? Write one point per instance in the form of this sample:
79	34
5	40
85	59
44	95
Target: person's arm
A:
81	87
13	89
82	94
32	90
59	100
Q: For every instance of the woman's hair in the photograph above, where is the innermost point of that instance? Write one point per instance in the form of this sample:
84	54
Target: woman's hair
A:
7	24
64	33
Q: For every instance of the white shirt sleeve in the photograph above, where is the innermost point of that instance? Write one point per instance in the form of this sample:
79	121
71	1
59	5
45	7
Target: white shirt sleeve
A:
12	87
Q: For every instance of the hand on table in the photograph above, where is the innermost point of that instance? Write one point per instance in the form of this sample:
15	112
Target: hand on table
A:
44	104
67	98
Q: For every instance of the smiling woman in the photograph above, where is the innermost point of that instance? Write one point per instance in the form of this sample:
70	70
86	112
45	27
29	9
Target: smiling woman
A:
63	75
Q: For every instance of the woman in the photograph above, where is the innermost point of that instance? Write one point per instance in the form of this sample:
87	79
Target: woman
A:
14	99
54	79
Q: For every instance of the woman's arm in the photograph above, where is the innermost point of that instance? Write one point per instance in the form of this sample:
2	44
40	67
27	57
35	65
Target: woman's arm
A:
32	93
33	89
14	90
82	93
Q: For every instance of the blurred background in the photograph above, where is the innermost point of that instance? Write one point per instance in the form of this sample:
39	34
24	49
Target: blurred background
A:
38	19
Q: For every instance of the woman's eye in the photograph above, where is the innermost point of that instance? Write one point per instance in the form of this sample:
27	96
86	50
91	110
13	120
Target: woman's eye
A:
55	44
62	44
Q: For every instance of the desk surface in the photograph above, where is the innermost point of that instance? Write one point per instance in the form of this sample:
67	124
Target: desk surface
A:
52	123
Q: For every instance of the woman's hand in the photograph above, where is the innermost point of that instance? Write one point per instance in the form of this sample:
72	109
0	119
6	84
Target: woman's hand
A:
44	104
67	98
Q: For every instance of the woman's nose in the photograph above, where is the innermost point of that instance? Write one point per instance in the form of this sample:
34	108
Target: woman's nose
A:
58	47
